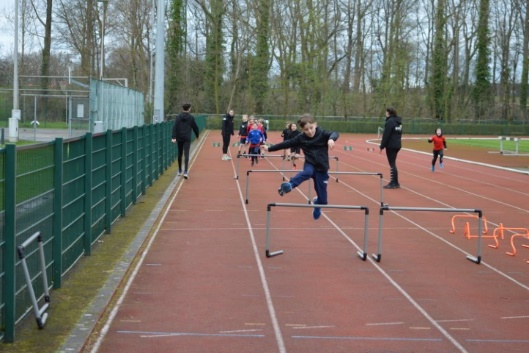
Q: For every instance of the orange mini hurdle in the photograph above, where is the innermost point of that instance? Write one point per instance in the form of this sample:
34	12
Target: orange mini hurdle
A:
467	226
525	235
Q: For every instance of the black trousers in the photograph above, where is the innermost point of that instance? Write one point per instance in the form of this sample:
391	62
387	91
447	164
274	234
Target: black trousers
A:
225	143
435	154
183	150
391	153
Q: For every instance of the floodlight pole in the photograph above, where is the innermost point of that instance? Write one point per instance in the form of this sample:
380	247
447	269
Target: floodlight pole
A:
159	63
102	54
15	113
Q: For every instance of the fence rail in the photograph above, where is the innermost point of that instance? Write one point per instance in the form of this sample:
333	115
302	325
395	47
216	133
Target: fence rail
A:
71	191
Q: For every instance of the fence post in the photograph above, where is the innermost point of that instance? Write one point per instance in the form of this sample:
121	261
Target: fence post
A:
144	173
108	182
134	162
123	175
57	221
10	246
88	194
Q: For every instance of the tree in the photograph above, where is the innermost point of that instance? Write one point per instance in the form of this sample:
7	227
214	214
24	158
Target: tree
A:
176	44
482	88
438	90
262	56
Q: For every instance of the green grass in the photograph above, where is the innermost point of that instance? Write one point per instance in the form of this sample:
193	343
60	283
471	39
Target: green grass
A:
492	144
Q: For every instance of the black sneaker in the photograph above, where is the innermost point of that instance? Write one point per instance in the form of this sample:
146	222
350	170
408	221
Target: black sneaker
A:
392	186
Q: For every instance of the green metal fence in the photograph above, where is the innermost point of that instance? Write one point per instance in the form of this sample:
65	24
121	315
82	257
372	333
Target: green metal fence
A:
72	191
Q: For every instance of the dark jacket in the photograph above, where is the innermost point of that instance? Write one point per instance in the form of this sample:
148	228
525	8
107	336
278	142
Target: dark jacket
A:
243	129
227	125
391	138
184	123
315	149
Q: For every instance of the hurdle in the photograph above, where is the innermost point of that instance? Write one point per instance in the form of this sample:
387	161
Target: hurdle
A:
268	253
237	169
309	192
244	155
507	138
476	259
466	231
40	313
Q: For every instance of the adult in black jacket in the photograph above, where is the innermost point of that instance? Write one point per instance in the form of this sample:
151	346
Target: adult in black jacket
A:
391	141
227	132
184	123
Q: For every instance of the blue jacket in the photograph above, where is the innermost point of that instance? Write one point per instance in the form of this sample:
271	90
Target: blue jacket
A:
255	137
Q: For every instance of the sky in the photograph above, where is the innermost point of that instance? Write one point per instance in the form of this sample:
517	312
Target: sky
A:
7	35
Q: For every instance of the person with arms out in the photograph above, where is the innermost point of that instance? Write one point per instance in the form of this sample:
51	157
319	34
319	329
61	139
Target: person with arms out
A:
439	144
227	132
294	151
315	144
391	141
255	138
284	135
184	123
243	133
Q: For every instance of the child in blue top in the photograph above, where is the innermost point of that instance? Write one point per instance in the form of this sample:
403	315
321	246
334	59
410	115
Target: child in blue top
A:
255	138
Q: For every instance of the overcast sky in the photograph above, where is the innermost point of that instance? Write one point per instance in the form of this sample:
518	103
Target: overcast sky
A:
7	35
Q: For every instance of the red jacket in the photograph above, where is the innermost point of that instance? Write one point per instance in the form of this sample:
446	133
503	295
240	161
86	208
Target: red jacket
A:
439	142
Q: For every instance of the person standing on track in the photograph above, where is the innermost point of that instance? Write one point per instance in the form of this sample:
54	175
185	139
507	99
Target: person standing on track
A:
184	123
243	133
227	132
439	143
391	141
315	144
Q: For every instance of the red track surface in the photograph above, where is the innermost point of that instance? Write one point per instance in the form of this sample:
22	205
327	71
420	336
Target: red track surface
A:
205	284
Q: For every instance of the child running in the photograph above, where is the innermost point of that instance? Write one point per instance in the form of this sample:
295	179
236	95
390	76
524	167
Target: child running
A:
315	144
439	143
294	151
243	132
255	138
284	135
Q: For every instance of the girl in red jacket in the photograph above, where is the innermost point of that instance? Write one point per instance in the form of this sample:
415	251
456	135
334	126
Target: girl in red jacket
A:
439	143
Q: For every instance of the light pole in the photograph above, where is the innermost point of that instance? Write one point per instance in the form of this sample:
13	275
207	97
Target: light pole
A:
15	113
102	54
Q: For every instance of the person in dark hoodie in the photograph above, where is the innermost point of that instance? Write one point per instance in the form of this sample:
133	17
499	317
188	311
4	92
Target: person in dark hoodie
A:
227	132
315	144
184	123
391	141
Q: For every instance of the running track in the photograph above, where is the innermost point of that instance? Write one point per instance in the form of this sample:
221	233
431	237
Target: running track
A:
203	283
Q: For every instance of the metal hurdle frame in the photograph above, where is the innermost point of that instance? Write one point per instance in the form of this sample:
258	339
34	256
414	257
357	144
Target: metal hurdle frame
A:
239	156
40	313
275	156
476	259
268	253
309	200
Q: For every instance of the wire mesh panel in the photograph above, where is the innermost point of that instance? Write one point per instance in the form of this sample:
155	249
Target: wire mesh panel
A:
35	211
99	185
73	203
115	106
115	178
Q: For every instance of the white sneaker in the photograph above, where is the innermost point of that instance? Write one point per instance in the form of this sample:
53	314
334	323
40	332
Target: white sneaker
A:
186	176
224	157
179	173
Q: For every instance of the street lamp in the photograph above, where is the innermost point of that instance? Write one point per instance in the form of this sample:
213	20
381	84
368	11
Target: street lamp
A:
102	54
